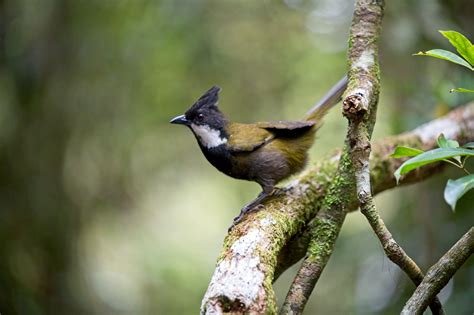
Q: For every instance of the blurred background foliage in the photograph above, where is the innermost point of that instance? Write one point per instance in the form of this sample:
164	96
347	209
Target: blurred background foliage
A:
105	208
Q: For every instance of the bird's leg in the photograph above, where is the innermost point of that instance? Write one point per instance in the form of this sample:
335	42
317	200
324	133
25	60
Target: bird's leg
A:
266	193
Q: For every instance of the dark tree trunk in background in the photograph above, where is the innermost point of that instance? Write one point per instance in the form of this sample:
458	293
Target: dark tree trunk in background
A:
38	222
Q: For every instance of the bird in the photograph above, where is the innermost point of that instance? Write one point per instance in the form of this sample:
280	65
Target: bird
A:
263	152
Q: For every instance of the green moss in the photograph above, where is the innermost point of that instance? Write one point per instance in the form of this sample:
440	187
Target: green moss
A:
342	184
323	237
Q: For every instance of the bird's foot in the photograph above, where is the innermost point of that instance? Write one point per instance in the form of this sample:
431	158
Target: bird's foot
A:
279	191
245	210
256	204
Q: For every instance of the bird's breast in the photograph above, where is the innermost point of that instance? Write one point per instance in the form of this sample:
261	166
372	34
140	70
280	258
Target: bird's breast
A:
219	157
233	165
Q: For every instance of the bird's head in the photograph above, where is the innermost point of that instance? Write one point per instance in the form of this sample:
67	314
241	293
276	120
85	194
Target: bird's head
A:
205	119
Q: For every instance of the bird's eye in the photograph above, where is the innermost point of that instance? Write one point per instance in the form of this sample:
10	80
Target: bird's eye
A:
200	116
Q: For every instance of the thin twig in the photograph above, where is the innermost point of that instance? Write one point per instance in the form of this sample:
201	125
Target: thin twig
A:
452	163
394	251
439	274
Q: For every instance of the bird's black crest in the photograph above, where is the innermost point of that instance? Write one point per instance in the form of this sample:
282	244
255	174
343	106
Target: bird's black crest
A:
205	111
208	99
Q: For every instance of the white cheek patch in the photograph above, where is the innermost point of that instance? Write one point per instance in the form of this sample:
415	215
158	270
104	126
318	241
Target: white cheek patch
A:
209	137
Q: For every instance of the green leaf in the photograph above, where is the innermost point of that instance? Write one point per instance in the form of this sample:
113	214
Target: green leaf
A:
446	143
431	156
455	189
461	90
405	151
469	145
461	43
445	55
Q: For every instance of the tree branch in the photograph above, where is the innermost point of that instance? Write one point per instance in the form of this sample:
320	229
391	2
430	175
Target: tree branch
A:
360	107
323	234
258	248
439	274
363	88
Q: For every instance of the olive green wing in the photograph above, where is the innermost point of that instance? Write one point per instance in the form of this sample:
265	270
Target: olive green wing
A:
247	137
286	128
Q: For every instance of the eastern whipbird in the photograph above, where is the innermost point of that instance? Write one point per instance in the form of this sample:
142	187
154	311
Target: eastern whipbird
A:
263	152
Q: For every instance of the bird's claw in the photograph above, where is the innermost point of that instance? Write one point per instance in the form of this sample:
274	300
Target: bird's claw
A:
242	213
279	192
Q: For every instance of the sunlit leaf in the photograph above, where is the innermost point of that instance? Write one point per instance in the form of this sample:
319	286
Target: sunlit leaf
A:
462	45
429	157
445	55
405	151
469	145
461	90
455	189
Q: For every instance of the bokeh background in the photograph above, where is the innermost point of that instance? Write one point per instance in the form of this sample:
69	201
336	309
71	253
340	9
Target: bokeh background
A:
105	208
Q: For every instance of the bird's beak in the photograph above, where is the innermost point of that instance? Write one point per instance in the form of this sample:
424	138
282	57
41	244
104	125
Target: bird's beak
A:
180	120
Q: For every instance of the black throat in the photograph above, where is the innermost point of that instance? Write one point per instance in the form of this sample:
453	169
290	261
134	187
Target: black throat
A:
219	157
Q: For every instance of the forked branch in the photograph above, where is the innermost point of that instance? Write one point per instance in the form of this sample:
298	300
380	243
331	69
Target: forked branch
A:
360	108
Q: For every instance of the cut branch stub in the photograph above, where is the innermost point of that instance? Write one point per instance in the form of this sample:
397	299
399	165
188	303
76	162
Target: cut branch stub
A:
354	106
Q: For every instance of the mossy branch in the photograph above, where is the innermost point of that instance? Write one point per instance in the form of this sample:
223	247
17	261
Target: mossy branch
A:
269	241
324	231
360	108
363	91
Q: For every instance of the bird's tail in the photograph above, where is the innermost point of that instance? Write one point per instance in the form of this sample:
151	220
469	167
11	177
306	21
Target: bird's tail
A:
328	101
